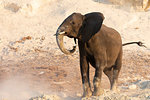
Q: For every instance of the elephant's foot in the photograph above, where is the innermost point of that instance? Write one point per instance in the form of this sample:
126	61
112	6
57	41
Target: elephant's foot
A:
97	88
115	89
98	92
87	93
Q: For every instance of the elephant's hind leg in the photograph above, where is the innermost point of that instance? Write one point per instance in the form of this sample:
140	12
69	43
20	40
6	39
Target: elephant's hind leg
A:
109	73
113	72
116	71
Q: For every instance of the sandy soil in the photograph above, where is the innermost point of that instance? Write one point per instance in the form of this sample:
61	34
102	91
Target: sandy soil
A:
32	66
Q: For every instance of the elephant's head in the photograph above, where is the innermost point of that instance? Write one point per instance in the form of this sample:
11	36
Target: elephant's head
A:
78	26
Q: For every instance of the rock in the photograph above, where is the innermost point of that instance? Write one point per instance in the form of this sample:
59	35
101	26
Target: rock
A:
121	97
132	87
41	73
33	7
145	4
46	97
136	4
12	7
79	94
144	84
144	95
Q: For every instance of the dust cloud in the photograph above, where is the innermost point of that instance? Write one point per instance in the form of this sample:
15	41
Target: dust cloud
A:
16	89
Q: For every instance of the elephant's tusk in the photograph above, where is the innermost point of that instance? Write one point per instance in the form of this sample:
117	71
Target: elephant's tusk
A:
59	39
60	33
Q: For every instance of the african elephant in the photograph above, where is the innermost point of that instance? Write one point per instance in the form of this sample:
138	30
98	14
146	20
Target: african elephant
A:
99	45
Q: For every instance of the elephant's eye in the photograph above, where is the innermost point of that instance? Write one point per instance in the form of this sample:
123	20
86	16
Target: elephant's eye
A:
73	22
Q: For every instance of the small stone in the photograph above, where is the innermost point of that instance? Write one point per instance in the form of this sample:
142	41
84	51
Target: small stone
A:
79	94
132	87
41	73
64	95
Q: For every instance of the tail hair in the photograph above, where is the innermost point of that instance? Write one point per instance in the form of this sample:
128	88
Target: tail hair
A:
141	44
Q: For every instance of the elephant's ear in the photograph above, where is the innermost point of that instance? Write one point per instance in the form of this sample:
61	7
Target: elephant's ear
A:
91	25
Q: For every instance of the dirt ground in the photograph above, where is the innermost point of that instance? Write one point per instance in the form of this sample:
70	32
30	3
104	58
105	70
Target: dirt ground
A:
60	74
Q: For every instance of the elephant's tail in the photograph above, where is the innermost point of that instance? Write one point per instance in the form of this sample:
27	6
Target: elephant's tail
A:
141	44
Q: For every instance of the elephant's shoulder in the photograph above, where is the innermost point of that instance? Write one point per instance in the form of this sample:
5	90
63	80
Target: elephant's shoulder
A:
109	32
104	27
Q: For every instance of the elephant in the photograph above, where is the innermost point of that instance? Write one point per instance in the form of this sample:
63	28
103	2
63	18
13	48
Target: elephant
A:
99	45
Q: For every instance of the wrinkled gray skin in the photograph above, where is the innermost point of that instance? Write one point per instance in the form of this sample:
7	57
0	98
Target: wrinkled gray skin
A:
99	46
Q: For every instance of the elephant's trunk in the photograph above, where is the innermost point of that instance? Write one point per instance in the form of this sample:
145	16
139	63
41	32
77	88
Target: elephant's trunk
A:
60	43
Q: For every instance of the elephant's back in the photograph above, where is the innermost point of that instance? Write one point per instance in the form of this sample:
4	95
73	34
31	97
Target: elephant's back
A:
111	34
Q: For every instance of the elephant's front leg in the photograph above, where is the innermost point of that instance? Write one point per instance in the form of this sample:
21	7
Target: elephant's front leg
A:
97	79
84	67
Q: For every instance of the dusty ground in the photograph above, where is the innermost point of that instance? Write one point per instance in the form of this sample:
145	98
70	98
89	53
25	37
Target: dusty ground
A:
32	65
60	74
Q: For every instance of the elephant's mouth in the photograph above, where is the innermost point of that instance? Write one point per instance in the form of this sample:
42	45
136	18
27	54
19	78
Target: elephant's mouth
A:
67	34
60	43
